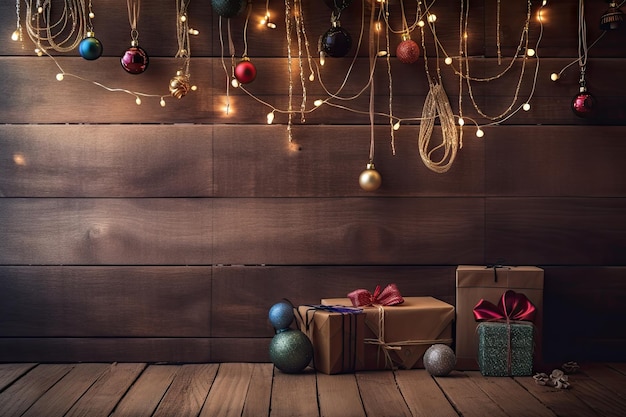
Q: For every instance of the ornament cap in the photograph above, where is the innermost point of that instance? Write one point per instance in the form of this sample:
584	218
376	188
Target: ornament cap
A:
134	43
90	34
370	165
406	36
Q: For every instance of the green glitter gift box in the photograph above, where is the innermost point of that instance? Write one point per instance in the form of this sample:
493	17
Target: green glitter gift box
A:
494	357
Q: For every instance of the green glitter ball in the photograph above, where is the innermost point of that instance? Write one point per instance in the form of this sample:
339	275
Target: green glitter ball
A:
291	351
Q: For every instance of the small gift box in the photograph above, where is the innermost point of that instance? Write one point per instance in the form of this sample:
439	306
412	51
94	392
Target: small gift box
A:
475	282
337	337
505	335
396	336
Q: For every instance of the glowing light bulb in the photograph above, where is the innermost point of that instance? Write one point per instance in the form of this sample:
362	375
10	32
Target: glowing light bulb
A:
448	60
311	77
60	76
234	82
162	102
38	51
40	9
396	126
318	103
378	26
194	87
183	18
270	118
530	52
271	25
421	23
480	133
138	101
554	76
461	121
381	53
526	107
539	16
544	2
16	35
194	32
322	58
91	15
432	18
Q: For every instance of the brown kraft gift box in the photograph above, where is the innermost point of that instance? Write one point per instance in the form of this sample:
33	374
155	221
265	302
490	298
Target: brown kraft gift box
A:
337	339
474	282
409	329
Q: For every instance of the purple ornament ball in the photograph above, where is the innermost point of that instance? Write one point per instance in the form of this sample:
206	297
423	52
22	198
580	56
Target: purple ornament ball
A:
584	104
135	60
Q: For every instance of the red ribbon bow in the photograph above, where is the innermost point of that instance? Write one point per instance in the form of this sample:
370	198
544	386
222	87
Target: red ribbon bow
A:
388	297
512	306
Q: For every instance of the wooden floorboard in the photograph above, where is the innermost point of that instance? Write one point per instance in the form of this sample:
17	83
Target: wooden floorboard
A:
259	389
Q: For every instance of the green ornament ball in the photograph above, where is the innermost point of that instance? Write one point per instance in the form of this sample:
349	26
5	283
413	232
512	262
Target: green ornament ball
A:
228	8
291	351
439	360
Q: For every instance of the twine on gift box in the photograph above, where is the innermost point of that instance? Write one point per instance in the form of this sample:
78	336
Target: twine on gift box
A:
385	347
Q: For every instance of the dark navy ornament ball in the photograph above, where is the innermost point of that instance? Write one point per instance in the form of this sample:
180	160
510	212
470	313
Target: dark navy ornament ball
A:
281	315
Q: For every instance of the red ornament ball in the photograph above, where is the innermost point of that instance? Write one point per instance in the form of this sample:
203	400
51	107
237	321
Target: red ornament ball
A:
408	51
135	60
245	72
583	104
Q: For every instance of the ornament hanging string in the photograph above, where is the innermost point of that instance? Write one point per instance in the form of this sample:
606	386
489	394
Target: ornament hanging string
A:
134	7
61	35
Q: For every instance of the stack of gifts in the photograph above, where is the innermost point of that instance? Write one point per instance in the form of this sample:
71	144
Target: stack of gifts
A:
390	331
518	342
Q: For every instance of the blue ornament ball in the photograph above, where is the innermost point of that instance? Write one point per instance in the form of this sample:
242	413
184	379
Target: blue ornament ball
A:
90	48
281	315
291	351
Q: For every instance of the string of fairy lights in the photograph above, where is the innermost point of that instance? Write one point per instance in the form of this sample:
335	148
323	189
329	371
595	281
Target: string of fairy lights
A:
72	29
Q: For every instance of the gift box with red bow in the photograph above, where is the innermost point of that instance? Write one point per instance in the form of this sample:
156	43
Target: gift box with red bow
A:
398	330
476	282
505	335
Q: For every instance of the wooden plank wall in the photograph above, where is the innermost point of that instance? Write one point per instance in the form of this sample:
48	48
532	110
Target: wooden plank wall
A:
142	233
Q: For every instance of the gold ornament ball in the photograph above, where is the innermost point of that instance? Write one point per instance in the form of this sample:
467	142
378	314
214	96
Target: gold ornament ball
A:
179	86
370	179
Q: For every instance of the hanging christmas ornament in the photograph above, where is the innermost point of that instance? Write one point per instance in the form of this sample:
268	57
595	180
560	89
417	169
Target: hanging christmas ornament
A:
439	360
245	71
336	42
612	18
408	51
370	179
291	351
135	60
179	85
90	48
228	8
584	103
281	315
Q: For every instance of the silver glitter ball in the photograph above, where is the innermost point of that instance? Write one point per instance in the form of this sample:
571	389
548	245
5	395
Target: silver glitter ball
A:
439	360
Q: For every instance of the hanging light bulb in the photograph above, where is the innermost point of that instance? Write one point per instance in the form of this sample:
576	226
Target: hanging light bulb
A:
612	18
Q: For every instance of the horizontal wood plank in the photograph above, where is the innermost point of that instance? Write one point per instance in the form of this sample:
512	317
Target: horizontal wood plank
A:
105	302
541	231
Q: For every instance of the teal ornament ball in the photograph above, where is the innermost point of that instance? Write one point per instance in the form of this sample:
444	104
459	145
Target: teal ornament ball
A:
281	315
291	351
439	360
90	48
228	8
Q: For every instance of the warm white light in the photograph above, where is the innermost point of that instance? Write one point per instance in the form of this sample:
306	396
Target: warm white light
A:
60	76
318	103
480	133
311	77
271	25
420	23
194	87
396	126
554	76
461	121
162	102
138	101
448	60
378	26
526	106
194	32
91	15
38	51
322	58
16	35
530	52
381	53
270	118
432	18
539	16
183	18
40	9
544	2
234	82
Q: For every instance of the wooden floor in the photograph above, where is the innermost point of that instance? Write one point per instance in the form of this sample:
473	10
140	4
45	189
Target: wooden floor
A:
244	389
